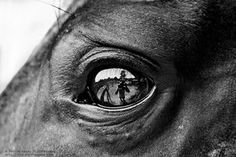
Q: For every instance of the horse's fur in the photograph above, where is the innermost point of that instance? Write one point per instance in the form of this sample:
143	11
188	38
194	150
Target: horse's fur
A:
194	43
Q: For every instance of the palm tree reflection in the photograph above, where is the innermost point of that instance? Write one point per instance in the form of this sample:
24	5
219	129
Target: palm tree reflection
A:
106	92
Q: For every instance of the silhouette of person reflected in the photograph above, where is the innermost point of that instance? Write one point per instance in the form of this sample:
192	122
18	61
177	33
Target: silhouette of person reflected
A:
122	87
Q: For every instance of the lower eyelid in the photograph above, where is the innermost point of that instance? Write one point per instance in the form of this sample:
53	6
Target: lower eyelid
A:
94	113
128	125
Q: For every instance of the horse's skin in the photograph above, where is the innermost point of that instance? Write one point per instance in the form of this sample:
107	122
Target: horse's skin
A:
187	47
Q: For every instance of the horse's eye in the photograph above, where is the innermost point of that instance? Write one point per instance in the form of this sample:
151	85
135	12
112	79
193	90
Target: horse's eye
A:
117	87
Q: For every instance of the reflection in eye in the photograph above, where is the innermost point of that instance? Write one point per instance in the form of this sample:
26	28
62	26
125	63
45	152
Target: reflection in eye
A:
117	87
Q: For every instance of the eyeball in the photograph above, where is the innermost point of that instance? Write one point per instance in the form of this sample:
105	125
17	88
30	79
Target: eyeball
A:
118	87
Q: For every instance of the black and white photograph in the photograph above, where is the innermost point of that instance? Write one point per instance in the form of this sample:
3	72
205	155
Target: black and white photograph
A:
117	78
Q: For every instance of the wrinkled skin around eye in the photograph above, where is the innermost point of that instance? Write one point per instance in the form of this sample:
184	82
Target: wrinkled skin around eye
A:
193	44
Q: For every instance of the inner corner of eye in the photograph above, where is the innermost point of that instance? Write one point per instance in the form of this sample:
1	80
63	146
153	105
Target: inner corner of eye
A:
114	87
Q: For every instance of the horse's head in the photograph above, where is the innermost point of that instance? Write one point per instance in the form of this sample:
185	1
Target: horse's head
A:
180	57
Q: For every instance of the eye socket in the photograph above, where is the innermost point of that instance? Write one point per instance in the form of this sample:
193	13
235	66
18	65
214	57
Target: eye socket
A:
116	87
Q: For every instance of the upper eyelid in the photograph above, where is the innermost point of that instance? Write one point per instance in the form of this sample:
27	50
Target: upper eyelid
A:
96	53
103	43
125	52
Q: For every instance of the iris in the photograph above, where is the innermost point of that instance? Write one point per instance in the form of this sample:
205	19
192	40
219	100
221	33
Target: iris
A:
117	87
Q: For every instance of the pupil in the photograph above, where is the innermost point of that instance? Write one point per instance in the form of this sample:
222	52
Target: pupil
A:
116	87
